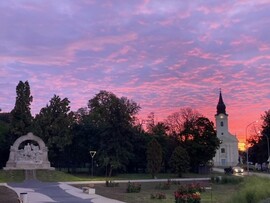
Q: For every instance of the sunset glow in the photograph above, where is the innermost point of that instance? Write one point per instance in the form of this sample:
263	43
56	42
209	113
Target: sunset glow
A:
241	146
164	55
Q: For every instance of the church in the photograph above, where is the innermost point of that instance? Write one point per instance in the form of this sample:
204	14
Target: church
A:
227	154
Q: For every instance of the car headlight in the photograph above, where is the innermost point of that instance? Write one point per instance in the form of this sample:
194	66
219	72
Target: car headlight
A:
236	170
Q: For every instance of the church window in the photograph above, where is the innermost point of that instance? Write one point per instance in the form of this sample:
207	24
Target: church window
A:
222	150
221	123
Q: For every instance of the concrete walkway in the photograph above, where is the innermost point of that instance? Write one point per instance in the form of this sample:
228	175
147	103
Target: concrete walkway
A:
40	192
62	192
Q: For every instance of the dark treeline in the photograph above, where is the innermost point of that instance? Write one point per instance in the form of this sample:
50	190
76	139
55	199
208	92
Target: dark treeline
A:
259	150
109	125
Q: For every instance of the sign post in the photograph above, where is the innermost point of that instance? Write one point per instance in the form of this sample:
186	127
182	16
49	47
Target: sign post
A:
92	153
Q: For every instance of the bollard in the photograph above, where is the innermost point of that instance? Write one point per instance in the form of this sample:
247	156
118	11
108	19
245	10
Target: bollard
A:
23	197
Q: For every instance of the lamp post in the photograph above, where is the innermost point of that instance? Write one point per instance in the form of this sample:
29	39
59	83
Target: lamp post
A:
247	145
92	153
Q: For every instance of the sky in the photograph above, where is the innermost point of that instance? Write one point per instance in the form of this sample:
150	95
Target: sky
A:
164	55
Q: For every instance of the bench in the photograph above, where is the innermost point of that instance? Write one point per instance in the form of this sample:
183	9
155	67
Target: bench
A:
88	190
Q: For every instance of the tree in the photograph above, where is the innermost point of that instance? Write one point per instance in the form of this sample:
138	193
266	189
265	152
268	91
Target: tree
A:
265	133
201	143
4	142
84	139
180	121
150	122
179	161
54	125
138	162
113	119
154	157
21	118
258	152
168	144
196	134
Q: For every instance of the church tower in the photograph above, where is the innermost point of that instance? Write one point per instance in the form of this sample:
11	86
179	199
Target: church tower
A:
227	154
221	117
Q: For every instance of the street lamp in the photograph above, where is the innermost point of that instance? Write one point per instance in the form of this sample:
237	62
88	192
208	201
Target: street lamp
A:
92	153
247	145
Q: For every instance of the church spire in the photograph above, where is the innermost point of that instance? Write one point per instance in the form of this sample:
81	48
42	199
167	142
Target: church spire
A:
221	108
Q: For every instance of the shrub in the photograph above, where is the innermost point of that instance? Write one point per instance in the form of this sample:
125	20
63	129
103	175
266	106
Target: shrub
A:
133	187
253	189
226	180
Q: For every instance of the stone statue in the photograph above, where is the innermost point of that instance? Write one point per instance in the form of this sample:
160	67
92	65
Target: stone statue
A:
31	156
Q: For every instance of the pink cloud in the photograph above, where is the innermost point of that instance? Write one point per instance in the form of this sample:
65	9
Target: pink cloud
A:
163	55
199	53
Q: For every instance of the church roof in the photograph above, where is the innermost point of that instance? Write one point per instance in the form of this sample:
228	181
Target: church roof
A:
221	108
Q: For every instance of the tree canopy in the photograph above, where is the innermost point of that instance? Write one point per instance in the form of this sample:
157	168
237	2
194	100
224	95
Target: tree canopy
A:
113	118
258	152
196	134
54	125
21	118
109	125
179	161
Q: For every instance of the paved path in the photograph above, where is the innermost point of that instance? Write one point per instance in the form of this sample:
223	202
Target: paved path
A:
40	192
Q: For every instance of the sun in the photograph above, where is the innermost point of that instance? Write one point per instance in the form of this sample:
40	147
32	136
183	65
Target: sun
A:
241	146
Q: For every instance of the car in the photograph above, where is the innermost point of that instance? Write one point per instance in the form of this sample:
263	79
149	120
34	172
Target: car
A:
237	169
228	171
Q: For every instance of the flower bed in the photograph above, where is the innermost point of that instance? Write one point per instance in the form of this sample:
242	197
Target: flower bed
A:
188	193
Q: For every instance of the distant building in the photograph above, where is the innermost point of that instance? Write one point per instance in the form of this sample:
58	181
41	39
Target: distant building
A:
227	154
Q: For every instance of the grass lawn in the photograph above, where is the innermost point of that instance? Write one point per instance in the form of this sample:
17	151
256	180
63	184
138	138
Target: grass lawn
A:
11	176
59	176
220	193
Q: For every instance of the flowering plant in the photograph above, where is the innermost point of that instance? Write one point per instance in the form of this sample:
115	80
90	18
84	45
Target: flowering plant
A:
187	198
188	194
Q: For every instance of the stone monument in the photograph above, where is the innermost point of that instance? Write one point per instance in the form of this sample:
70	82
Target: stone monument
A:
31	156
